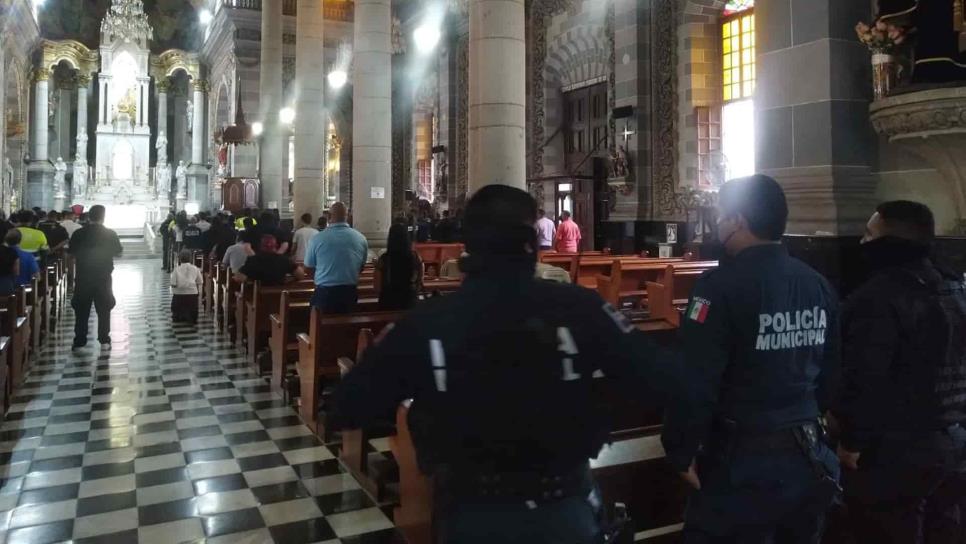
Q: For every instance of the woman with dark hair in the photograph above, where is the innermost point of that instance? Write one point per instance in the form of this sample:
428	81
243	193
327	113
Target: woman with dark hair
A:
399	271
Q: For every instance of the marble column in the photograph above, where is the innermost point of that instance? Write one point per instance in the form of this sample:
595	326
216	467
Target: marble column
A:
371	120
81	170
40	173
274	143
497	94
813	133
163	86
103	112
198	171
310	118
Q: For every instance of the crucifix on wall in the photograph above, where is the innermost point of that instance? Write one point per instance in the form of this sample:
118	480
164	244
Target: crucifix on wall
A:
627	132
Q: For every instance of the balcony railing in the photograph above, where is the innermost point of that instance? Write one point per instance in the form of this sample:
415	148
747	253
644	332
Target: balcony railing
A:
335	10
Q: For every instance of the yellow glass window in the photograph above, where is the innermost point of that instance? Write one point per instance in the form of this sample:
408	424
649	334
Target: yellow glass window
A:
738	52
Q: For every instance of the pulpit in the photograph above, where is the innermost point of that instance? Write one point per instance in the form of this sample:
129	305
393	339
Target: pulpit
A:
940	50
239	193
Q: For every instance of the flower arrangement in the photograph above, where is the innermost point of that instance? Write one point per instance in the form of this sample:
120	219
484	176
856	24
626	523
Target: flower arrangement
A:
882	37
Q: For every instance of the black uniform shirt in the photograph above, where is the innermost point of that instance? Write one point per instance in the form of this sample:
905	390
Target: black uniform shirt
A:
95	247
501	373
760	350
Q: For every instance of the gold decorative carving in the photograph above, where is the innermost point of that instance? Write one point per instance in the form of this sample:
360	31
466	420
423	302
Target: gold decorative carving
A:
169	62
76	54
163	85
41	74
201	85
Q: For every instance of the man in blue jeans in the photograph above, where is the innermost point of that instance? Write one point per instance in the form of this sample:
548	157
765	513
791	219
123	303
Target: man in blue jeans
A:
337	254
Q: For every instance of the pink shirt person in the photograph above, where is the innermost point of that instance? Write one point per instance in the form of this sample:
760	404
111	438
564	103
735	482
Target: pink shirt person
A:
568	235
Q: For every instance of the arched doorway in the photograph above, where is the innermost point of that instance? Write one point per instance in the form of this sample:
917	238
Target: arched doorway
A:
12	169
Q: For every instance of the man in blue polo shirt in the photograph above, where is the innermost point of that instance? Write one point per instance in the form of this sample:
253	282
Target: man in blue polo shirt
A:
337	254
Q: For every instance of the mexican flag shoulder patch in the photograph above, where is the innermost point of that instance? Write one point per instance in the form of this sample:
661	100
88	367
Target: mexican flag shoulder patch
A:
698	311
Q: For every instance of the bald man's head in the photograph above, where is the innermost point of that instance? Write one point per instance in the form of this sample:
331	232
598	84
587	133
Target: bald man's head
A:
339	213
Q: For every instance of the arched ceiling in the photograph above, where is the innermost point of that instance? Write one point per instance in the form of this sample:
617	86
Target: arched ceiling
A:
175	22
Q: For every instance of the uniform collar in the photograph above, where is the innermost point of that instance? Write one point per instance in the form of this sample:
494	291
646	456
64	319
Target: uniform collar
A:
762	251
341	224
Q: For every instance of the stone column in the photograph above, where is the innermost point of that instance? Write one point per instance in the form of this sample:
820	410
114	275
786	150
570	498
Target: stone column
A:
81	170
497	94
273	145
198	171
163	86
813	133
40	172
103	112
310	119
371	120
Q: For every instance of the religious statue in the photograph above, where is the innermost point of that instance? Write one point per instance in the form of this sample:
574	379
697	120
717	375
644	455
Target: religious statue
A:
81	148
940	50
60	172
618	163
162	180
181	174
189	112
79	186
7	188
162	146
128	105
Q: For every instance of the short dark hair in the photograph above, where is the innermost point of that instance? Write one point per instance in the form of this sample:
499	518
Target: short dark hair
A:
909	220
96	213
13	237
307	218
761	201
540	213
499	220
565	213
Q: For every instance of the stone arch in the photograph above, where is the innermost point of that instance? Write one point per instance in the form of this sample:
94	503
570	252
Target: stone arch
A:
222	109
574	59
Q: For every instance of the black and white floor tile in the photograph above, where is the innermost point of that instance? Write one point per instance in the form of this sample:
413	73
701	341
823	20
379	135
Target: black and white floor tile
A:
169	437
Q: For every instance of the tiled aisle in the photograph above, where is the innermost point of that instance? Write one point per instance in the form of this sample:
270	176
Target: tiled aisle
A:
167	438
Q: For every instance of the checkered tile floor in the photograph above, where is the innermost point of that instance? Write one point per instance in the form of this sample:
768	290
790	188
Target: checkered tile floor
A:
167	438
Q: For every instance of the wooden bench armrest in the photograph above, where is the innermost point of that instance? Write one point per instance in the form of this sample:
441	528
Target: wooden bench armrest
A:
21	321
275	319
607	289
4	342
304	339
345	365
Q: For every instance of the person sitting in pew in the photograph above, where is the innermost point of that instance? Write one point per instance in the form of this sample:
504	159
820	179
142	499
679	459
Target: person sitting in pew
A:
400	270
27	267
9	270
501	377
237	254
268	267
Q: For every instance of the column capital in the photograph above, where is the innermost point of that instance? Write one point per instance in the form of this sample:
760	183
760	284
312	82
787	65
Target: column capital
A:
163	85
200	85
83	80
41	74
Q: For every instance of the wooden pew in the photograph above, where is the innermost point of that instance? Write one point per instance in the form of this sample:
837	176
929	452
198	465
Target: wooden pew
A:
292	317
35	302
265	300
218	277
5	389
589	268
628	279
228	299
668	297
328	338
16	327
434	255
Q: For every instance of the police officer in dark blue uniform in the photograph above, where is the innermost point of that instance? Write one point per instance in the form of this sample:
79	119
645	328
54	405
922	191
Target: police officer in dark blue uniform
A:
903	408
501	375
760	362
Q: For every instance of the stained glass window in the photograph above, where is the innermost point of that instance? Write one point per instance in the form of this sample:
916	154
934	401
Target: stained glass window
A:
738	55
734	6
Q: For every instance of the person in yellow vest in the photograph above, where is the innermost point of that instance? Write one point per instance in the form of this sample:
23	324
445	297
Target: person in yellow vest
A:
246	215
33	240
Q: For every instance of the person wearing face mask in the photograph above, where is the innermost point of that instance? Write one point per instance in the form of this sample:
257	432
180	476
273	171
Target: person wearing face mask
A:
501	376
761	358
903	407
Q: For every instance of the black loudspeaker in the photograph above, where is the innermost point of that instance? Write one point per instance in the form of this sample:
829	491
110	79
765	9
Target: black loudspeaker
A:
439	149
623	112
410	196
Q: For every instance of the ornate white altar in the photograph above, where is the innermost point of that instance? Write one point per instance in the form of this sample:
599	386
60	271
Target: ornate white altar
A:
123	137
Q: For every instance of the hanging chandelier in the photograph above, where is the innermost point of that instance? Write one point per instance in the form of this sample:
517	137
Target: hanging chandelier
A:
127	21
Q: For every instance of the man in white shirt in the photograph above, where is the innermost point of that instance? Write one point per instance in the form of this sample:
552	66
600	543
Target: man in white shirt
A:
69	224
302	236
545	231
